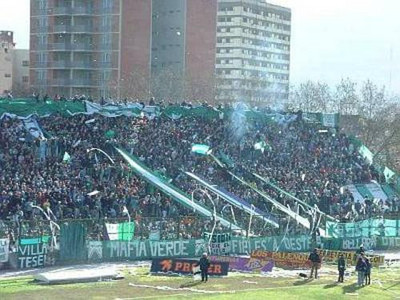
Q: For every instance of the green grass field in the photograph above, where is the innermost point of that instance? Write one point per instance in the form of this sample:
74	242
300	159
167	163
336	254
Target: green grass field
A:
385	285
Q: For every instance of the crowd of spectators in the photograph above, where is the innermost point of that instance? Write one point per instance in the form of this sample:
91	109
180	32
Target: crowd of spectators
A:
304	159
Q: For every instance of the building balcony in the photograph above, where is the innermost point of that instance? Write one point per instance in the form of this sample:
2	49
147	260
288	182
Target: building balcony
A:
72	28
71	47
80	10
70	64
74	82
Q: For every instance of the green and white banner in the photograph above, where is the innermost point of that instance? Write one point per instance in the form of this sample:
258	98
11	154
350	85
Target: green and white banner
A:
220	243
120	231
139	250
32	252
366	228
128	110
370	190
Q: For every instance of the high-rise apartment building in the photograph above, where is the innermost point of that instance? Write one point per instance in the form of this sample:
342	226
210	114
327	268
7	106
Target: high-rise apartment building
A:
110	47
171	49
6	61
20	72
74	46
183	48
253	51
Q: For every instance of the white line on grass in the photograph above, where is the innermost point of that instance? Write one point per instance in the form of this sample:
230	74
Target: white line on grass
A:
154	297
224	292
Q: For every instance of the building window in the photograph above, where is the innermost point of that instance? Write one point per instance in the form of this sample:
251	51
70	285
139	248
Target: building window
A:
25	79
25	63
7	75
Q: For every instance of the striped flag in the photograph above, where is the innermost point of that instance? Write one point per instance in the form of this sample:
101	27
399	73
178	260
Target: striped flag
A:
120	231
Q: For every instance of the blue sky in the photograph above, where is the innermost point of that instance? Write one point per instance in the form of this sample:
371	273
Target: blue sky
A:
331	39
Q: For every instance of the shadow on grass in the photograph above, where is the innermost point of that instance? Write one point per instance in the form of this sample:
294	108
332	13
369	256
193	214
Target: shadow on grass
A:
351	288
190	284
301	282
388	288
328	286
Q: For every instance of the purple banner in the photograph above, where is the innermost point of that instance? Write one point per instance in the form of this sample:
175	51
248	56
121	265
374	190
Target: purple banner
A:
244	264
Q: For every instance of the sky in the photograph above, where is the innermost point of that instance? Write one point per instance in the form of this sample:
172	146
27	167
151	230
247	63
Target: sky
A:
331	39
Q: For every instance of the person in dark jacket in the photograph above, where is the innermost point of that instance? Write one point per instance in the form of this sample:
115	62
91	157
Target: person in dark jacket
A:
361	267
341	267
315	262
204	264
367	272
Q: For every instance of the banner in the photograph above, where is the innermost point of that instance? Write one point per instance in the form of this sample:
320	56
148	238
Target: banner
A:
32	253
4	250
114	110
220	243
330	120
365	228
376	191
185	267
245	246
120	231
284	259
244	264
146	249
332	257
373	243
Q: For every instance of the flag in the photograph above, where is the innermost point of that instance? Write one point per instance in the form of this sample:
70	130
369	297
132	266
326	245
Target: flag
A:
120	231
388	174
110	134
262	146
366	154
66	157
201	149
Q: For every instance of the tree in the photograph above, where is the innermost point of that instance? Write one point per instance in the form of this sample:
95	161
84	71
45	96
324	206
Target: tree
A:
311	97
345	98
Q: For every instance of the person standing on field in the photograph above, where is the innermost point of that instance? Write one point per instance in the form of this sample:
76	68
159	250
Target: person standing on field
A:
204	264
367	272
315	262
341	267
361	267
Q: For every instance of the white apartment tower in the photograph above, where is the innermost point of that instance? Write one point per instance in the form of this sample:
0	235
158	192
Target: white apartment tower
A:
253	52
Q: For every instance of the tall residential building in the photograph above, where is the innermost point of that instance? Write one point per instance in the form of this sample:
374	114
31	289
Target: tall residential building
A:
85	47
6	61
183	48
110	47
253	51
20	73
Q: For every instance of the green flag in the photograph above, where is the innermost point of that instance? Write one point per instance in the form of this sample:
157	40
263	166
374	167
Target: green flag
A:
201	149
262	146
388	174
66	157
110	134
120	231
